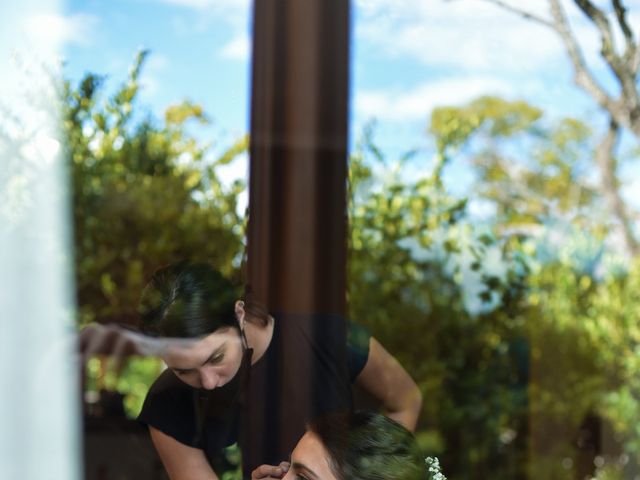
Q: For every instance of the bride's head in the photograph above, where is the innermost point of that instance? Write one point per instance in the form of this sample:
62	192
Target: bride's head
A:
356	446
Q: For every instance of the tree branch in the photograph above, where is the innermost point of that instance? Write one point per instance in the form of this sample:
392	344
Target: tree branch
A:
622	66
621	15
607	48
635	61
626	109
582	75
523	13
596	15
630	59
605	159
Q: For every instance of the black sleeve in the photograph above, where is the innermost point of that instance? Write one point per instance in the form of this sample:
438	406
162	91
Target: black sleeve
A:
169	407
358	338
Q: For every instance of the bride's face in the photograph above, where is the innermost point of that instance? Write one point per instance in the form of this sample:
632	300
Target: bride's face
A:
310	460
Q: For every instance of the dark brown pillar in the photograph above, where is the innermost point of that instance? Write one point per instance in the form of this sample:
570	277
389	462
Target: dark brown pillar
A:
297	200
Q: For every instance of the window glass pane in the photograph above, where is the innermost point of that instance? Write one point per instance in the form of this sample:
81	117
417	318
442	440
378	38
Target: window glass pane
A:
491	239
486	247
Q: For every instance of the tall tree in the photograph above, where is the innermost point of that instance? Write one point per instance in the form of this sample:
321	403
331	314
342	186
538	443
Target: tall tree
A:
427	283
620	103
145	193
533	170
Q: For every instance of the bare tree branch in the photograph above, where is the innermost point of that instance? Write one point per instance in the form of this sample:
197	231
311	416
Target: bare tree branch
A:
621	15
623	111
582	75
606	161
626	109
596	15
621	65
607	48
630	61
523	13
632	52
635	61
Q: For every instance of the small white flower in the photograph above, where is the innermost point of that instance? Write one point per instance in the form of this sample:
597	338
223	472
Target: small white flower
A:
433	467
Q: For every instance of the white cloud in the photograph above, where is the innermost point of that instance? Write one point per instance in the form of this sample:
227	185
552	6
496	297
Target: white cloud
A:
209	4
418	103
465	34
234	12
239	48
189	3
56	29
469	35
238	169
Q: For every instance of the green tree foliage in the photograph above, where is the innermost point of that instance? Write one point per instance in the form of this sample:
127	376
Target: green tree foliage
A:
145	193
528	385
579	315
531	169
517	353
584	334
412	257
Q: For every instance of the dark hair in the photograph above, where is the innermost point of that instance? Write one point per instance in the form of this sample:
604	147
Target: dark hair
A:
187	300
253	309
366	445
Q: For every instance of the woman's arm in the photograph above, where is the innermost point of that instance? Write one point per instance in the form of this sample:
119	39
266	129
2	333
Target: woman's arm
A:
385	379
181	461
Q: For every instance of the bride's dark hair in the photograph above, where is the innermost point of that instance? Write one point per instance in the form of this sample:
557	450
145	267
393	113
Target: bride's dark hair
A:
365	445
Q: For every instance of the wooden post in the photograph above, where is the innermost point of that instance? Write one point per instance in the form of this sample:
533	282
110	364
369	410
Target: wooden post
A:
297	206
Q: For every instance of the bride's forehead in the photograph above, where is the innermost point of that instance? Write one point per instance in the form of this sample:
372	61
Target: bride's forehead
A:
309	455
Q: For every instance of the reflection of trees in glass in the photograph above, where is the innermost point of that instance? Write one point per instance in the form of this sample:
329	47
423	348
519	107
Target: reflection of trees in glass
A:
538	177
413	255
29	146
512	329
529	169
618	98
145	193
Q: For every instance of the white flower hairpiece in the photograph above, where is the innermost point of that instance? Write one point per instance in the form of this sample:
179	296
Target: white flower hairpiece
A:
433	466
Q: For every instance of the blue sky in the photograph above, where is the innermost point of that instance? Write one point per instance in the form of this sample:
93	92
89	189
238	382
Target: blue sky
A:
408	56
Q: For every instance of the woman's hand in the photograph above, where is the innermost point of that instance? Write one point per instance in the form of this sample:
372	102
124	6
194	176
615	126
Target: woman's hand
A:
112	340
266	472
117	341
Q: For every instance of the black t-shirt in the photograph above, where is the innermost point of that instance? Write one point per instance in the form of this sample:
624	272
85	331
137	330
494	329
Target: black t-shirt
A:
210	420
